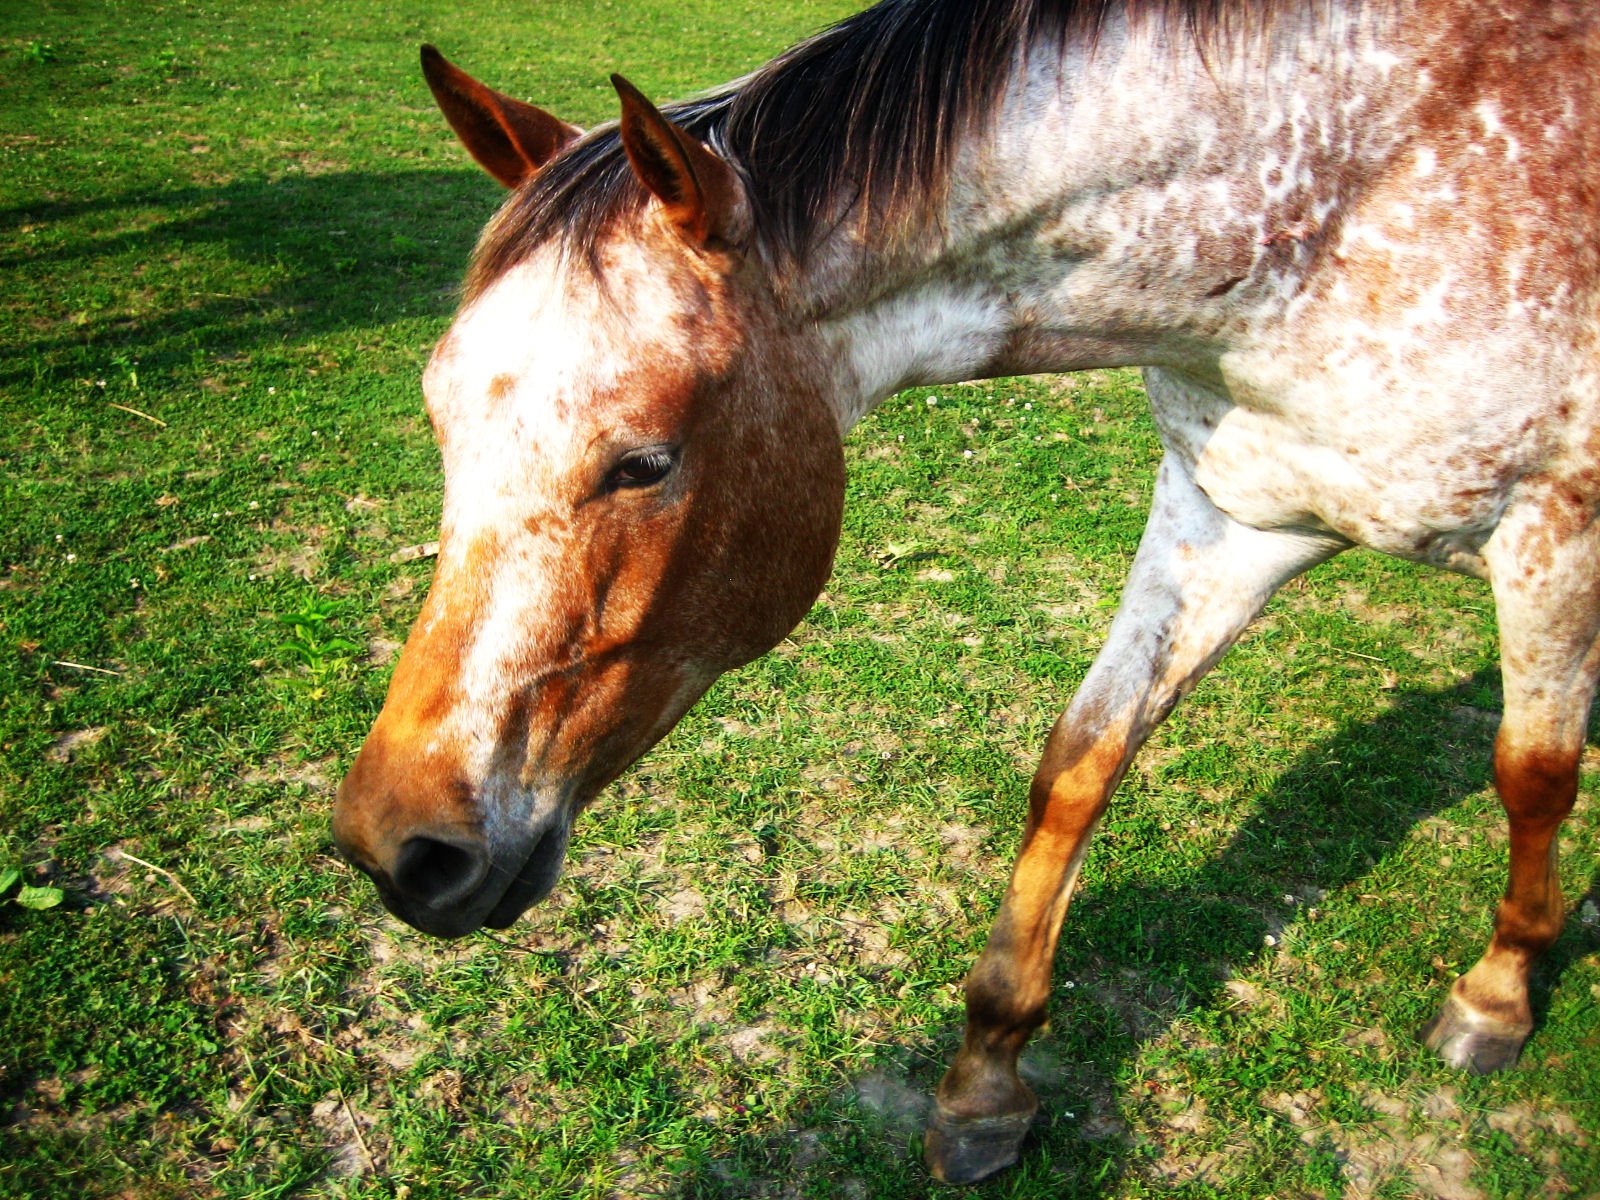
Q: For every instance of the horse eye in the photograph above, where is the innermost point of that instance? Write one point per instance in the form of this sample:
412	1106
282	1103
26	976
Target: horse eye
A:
643	467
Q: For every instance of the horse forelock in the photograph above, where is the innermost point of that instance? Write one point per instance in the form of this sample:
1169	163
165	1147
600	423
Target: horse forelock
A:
863	119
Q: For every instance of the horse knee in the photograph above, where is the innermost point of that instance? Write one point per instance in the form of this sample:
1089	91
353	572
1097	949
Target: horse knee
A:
1536	785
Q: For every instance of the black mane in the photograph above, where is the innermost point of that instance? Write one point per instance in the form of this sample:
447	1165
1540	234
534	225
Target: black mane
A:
867	112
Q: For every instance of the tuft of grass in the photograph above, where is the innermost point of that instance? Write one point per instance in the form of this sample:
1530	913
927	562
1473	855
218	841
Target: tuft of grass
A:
231	233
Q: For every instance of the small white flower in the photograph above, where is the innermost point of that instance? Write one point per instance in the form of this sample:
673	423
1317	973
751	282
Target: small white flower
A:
72	558
1288	899
255	504
272	391
966	454
933	401
1270	940
1028	406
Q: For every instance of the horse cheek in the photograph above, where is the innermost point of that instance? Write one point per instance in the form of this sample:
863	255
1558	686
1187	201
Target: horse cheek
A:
795	506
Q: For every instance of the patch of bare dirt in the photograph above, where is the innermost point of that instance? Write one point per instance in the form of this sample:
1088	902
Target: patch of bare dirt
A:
259	823
1432	1160
399	1040
315	775
381	651
753	1043
1248	995
1182	1169
706	1002
66	747
1144	1009
303	560
962	842
123	877
348	1133
44	1109
685	904
399	588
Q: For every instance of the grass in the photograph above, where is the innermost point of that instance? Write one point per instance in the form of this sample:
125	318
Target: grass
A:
230	234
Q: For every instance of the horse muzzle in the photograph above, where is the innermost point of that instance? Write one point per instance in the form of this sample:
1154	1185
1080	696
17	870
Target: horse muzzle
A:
451	879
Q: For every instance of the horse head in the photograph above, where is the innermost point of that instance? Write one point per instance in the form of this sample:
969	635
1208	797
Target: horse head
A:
643	487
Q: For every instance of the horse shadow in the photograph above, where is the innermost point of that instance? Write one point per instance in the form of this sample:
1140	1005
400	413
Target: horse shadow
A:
320	254
1339	810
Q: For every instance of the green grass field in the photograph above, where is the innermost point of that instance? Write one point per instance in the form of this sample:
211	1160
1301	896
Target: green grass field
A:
229	233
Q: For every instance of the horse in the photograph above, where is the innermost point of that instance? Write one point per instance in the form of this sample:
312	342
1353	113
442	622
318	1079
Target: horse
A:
1353	244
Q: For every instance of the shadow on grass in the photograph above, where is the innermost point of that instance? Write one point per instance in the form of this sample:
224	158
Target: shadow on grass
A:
1141	956
219	271
1577	941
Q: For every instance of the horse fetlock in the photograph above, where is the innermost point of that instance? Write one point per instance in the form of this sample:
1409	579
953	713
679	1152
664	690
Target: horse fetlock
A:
984	1083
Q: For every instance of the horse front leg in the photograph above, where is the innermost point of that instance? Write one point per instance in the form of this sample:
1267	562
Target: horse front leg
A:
1197	581
1547	595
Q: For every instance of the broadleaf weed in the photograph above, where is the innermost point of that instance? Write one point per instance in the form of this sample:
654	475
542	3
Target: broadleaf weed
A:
315	643
37	898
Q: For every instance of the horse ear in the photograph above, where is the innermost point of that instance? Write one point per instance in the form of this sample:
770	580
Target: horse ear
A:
511	140
699	192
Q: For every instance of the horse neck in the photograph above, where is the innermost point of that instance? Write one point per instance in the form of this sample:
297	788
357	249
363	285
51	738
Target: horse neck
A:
1130	206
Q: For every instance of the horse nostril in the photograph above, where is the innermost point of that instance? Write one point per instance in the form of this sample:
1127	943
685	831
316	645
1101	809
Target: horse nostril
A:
438	873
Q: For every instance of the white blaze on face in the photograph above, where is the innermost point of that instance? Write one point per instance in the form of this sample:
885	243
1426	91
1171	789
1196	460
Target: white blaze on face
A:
501	388
523	393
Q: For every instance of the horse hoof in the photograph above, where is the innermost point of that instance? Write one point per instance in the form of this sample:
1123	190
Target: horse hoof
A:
1470	1042
967	1149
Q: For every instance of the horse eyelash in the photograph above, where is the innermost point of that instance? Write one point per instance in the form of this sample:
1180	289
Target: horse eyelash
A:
657	460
